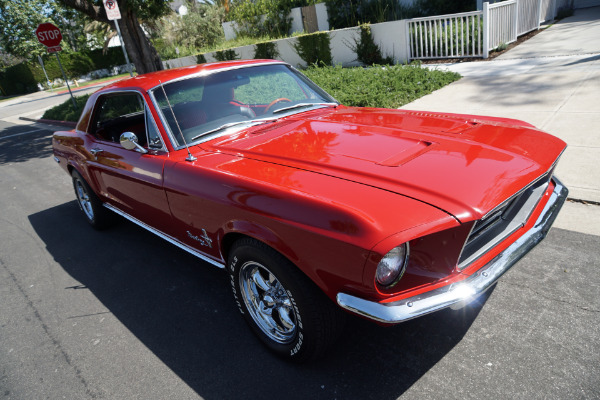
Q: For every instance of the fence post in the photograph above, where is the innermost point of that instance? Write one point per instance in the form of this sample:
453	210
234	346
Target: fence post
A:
408	40
516	19
486	29
539	13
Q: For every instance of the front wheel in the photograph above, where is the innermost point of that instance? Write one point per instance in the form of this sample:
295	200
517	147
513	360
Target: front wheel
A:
291	316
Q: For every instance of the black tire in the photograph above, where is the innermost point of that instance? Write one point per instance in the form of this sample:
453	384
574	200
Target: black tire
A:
286	310
95	213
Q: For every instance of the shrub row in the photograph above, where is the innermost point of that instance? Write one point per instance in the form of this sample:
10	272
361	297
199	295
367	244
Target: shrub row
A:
24	77
314	49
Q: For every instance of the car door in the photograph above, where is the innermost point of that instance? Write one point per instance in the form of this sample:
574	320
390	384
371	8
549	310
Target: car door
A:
131	180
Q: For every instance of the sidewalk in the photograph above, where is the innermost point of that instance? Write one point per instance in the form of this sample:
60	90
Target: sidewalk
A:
76	89
553	82
36	112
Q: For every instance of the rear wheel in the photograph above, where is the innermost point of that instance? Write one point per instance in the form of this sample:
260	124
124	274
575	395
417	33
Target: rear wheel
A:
95	213
283	307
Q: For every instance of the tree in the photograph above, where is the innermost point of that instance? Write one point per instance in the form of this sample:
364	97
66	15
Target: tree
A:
199	28
20	18
141	52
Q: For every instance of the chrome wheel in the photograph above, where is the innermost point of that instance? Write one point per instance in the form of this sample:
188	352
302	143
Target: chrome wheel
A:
84	200
267	302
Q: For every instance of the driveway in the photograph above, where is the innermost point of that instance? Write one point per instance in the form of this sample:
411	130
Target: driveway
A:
553	82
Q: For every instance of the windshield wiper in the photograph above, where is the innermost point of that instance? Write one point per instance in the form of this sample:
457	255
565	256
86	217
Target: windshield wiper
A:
220	128
303	105
230	124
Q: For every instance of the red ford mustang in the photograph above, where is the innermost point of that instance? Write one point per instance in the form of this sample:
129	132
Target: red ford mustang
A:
310	206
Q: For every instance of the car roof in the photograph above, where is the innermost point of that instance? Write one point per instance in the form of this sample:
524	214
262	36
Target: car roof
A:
152	79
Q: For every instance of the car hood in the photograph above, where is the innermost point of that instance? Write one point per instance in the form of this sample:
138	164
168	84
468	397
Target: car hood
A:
463	165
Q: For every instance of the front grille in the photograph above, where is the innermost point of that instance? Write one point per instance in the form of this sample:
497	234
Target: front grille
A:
502	221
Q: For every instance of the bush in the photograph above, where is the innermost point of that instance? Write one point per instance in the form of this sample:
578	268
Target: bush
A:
344	14
276	22
388	87
265	50
65	110
77	63
24	77
366	50
180	36
314	48
17	79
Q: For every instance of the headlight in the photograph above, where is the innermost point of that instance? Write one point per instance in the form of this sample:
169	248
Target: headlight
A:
391	267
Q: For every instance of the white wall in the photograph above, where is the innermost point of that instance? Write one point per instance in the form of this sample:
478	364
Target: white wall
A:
229	28
296	16
342	42
391	39
389	36
322	17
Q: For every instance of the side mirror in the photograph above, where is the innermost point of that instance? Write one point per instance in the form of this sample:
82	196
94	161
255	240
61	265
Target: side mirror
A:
130	142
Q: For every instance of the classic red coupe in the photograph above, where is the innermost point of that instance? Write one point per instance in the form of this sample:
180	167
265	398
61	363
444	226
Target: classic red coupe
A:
310	206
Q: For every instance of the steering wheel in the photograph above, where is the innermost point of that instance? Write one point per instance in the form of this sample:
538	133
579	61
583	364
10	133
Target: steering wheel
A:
271	104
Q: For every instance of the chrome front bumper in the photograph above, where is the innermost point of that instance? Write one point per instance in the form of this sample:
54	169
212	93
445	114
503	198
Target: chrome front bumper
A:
458	294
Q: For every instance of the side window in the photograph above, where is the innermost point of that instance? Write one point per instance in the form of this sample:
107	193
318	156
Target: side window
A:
154	140
119	113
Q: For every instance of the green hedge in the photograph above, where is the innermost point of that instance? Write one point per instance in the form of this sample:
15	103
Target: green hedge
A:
17	79
314	48
23	78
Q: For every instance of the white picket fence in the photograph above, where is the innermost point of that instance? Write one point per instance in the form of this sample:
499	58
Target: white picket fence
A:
475	34
502	23
446	36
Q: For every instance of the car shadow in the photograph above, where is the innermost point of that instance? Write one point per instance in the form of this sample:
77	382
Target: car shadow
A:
22	143
181	309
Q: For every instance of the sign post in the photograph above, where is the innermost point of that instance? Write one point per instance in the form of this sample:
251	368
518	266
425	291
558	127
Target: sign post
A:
45	73
113	13
49	35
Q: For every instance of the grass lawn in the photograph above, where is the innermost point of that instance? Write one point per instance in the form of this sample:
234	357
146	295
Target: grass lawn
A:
378	86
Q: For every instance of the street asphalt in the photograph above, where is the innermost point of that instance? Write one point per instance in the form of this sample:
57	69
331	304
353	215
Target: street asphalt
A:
120	314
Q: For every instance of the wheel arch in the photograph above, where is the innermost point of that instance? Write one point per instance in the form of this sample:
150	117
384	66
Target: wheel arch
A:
245	229
237	230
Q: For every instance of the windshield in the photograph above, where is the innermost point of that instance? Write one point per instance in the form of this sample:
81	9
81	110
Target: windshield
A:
206	105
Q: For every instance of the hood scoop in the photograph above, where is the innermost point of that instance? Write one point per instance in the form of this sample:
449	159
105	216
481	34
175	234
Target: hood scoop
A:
462	128
406	155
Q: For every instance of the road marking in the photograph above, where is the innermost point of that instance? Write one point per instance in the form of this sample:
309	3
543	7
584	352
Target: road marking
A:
22	133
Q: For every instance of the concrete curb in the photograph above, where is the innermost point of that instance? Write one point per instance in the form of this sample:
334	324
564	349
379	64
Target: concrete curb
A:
68	124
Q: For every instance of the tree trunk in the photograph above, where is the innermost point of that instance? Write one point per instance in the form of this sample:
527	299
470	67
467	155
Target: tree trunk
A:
139	49
141	52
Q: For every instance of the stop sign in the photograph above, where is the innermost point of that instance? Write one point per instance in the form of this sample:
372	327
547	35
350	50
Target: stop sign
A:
48	34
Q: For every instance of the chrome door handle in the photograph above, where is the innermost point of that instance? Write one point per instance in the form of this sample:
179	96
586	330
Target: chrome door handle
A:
96	151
